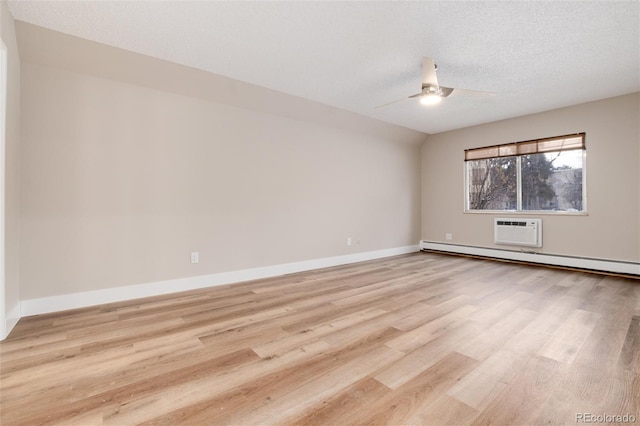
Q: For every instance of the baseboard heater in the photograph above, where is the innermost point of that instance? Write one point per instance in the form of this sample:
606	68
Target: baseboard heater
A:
620	267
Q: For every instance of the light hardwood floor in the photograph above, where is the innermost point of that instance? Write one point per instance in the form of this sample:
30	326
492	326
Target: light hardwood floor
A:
425	339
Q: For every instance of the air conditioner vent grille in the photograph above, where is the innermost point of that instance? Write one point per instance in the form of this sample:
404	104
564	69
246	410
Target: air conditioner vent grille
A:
511	223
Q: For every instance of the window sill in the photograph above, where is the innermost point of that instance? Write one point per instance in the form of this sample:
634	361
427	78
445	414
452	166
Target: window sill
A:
528	212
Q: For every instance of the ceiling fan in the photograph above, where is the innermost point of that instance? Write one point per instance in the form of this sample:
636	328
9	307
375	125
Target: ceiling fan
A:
432	92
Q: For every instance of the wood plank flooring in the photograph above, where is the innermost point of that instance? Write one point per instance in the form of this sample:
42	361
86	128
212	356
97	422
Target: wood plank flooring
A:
419	339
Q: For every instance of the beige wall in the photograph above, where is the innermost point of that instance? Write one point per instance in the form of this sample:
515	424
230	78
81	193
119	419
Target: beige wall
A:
122	180
12	155
611	230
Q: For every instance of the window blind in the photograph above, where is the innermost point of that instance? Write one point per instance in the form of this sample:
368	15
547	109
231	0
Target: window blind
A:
554	144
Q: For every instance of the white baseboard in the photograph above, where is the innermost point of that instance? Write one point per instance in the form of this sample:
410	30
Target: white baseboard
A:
548	259
118	294
10	321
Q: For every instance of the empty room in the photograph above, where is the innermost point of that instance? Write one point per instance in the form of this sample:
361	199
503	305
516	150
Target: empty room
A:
319	212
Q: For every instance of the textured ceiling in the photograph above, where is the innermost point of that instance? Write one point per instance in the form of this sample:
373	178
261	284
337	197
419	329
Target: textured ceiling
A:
536	55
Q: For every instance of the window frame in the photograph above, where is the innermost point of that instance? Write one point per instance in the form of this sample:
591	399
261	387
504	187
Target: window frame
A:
509	146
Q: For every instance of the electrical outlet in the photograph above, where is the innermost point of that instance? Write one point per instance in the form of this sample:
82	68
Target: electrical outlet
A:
195	257
348	241
448	236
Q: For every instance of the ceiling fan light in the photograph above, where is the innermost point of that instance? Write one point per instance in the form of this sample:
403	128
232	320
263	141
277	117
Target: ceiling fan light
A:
430	99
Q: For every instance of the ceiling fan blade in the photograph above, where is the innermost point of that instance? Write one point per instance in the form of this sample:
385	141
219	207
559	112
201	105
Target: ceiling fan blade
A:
429	72
469	92
398	100
446	91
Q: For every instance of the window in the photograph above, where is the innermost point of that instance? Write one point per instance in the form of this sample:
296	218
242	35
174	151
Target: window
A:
541	175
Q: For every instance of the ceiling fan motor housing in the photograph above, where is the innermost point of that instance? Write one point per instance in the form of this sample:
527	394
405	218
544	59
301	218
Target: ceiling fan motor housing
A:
429	89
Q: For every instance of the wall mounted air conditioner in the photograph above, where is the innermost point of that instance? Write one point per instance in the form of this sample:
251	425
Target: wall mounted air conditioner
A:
518	232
